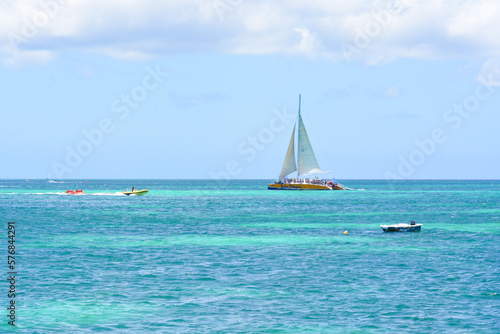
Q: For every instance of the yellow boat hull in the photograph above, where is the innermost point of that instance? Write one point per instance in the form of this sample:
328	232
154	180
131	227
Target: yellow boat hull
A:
302	186
136	192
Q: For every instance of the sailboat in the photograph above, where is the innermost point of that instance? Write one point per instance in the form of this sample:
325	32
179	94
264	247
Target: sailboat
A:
306	166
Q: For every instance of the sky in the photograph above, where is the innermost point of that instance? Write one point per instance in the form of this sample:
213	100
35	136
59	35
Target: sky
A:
208	89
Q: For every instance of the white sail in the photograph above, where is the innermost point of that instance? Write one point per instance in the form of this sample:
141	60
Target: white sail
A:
289	166
307	160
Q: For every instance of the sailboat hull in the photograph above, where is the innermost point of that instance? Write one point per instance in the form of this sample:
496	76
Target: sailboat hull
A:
302	186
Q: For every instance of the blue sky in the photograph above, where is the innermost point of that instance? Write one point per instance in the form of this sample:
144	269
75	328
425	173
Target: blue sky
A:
209	89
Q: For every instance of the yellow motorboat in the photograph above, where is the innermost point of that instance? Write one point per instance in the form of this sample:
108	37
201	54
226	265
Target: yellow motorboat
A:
136	192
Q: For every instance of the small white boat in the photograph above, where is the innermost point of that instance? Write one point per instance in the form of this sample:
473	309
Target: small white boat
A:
402	227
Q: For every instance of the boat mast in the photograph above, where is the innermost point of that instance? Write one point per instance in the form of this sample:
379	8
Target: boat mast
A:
298	141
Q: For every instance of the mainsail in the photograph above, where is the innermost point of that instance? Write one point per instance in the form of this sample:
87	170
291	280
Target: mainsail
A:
307	160
289	166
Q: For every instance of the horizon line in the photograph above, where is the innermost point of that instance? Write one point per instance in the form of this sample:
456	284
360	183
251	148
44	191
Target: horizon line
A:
236	179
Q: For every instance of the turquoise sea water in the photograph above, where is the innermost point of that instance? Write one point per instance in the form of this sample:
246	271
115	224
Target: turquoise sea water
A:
206	256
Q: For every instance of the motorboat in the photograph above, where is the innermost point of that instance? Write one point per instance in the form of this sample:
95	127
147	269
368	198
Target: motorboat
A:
402	227
136	192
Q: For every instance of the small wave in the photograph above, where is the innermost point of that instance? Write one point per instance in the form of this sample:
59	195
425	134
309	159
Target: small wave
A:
91	194
107	194
59	193
50	193
51	181
64	194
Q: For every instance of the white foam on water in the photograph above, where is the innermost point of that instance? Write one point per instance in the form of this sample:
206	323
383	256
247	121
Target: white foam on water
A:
107	194
64	194
59	193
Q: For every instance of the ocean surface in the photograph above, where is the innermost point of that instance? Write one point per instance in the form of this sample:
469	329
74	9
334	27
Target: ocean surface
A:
199	256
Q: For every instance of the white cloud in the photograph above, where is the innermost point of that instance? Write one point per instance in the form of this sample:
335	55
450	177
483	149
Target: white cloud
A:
377	31
22	58
392	91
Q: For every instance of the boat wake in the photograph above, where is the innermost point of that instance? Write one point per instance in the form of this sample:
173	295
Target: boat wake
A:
66	194
57	193
107	194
